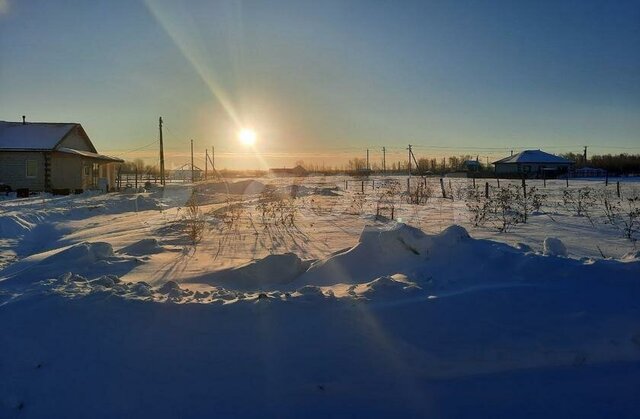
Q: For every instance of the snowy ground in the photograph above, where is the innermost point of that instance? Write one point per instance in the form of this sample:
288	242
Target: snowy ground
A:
108	309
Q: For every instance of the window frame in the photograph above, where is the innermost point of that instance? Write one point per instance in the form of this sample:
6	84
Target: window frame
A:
34	162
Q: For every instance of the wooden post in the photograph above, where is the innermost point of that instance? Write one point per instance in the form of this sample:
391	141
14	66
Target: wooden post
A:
524	188
618	188
136	178
567	180
346	182
474	181
193	174
486	190
373	184
408	185
444	193
206	163
362	186
498	179
606	179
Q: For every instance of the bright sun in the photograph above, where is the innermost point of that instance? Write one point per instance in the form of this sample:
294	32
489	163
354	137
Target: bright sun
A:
247	137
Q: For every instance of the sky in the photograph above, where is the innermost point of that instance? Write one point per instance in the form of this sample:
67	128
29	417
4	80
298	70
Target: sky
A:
322	81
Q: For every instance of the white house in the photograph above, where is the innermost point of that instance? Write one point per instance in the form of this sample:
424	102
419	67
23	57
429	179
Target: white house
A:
55	157
532	163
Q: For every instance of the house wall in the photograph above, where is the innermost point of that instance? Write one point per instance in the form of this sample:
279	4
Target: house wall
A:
527	168
506	168
13	169
66	171
76	141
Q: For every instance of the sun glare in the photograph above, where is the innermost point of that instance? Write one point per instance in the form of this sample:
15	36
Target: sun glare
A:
247	137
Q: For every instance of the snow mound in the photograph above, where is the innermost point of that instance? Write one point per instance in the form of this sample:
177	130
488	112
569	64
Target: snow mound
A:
554	247
327	191
393	286
13	226
83	253
107	281
91	259
143	247
312	293
145	203
632	256
382	250
242	187
261	274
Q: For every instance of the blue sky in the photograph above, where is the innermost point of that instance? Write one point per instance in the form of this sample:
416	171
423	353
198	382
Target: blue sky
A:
325	80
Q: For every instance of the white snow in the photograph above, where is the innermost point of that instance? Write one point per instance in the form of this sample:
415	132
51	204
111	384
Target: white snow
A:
554	247
338	314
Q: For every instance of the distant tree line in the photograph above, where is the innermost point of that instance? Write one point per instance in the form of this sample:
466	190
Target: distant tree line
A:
615	164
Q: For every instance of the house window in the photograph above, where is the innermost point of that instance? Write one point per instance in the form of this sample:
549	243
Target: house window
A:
32	169
87	170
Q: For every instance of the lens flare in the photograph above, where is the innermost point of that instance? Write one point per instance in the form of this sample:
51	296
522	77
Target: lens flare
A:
247	136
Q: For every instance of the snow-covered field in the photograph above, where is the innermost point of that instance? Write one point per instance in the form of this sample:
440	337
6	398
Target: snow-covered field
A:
289	297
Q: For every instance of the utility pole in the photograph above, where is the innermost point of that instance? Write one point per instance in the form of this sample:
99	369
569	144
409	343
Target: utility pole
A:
584	156
409	160
384	160
213	158
162	179
206	163
193	173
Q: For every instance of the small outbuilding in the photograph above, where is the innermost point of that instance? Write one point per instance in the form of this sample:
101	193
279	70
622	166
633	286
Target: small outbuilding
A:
589	172
296	171
52	157
532	164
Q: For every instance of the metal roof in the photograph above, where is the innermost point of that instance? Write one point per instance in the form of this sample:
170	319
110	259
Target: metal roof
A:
533	156
32	135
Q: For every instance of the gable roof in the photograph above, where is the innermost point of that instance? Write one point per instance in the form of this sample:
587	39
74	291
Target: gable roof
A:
37	136
533	156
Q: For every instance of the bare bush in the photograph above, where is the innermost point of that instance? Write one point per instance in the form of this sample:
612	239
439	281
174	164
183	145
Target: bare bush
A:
479	207
504	208
624	214
420	194
386	198
194	221
579	201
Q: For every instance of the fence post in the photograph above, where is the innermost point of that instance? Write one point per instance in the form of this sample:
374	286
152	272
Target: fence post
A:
606	179
618	188
474	181
486	190
524	188
567	180
444	194
345	184
136	178
408	186
498	179
362	186
373	184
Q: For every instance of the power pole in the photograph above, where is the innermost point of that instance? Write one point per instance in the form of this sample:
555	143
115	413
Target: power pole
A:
213	158
193	173
206	163
384	160
584	156
409	160
162	179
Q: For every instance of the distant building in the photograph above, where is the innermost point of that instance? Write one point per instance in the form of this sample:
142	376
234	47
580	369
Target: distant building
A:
53	157
532	163
296	171
471	165
589	172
